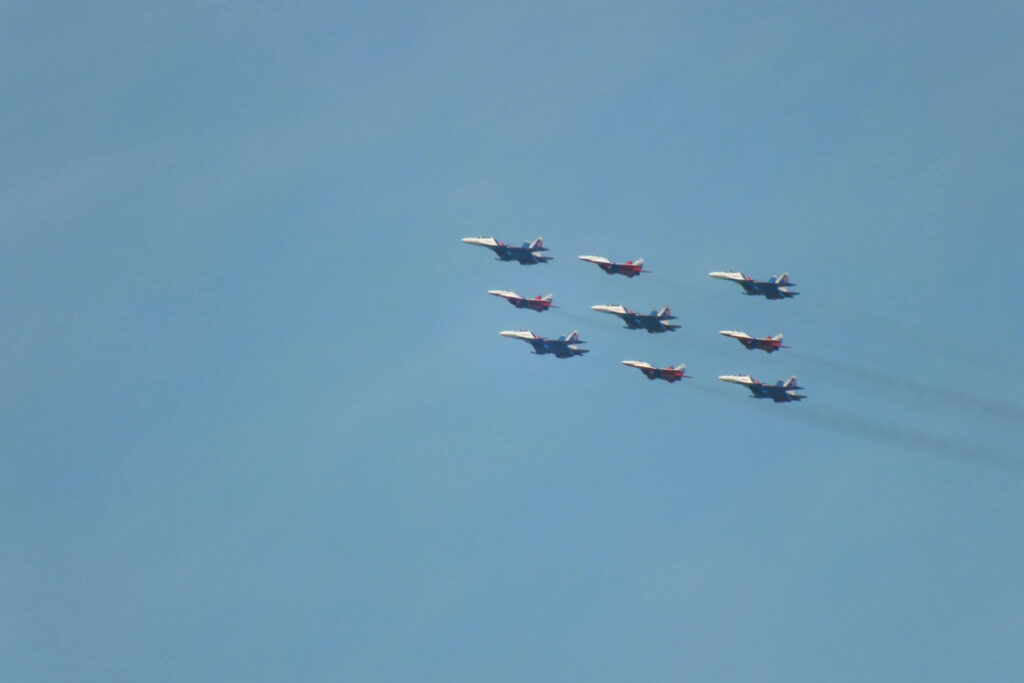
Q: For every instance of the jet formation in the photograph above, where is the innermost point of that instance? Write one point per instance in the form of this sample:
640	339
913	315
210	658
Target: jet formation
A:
657	321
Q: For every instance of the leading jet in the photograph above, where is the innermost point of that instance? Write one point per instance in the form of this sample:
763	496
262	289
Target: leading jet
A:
630	268
539	304
563	347
669	374
527	255
779	392
776	288
654	322
767	344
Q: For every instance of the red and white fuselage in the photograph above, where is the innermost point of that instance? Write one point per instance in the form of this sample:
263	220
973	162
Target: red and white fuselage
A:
669	374
539	303
766	344
629	268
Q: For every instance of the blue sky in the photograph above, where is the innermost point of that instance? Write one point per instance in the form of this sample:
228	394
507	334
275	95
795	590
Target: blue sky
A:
258	422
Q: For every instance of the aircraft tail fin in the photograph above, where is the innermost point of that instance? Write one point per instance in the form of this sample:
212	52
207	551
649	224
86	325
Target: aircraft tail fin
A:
536	244
790	383
783	280
777	337
665	312
573	338
548	297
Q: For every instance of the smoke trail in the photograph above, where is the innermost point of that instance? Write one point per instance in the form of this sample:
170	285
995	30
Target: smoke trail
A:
572	315
948	396
594	320
663	281
716	390
674	288
906	438
898	436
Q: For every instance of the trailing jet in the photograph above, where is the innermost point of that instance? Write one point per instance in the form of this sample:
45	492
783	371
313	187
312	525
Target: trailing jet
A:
629	268
539	304
653	323
767	344
669	374
527	255
563	347
778	392
776	288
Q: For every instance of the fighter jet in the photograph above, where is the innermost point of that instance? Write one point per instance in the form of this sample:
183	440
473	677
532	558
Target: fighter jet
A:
767	344
776	288
629	268
527	255
653	323
778	392
669	374
563	347
539	304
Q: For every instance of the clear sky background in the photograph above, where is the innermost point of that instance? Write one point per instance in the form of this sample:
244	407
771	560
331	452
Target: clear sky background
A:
257	422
